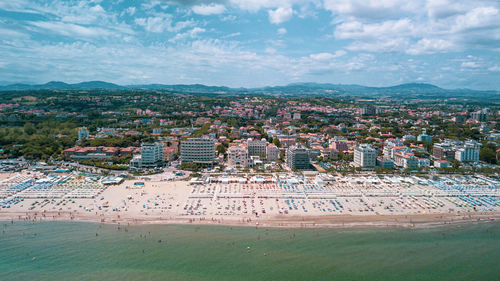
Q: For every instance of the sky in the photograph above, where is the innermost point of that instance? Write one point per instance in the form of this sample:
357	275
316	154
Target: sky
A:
252	43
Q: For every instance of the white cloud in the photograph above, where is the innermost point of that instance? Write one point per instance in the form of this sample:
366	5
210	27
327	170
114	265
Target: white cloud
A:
281	31
228	18
255	5
188	34
97	9
426	27
371	9
379	46
280	15
477	18
327	56
440	9
162	22
95	41
85	17
430	46
387	29
72	30
150	5
470	64
130	11
211	9
235	34
10	33
388	36
270	50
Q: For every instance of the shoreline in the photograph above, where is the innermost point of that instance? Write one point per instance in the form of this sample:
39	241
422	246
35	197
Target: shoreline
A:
408	221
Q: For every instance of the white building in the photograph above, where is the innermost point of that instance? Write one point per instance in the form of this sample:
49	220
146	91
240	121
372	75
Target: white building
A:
409	138
424	137
468	153
83	132
441	164
151	156
257	147
237	156
393	142
272	153
365	156
198	151
406	160
389	152
481	115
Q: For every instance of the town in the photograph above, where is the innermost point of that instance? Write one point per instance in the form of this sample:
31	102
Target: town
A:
246	157
148	131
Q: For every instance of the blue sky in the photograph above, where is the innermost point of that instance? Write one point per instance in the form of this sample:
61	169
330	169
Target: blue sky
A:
252	43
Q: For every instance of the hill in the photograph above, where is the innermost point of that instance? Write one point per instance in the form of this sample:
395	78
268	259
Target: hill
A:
409	90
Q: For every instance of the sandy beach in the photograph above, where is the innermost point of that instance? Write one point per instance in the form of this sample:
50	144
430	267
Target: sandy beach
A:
264	205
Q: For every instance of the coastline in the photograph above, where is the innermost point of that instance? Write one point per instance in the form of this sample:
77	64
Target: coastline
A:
324	221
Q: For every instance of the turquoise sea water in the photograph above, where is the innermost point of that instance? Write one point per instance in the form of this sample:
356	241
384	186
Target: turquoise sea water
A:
72	251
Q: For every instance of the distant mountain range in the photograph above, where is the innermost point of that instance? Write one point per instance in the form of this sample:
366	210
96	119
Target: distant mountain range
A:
414	90
56	85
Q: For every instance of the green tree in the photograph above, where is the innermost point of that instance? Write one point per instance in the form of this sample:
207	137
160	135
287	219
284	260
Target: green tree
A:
277	142
29	129
487	155
221	149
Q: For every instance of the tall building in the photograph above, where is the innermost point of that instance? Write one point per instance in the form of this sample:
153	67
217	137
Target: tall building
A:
368	110
272	153
481	115
83	132
237	156
469	152
198	151
365	156
257	147
297	158
443	150
151	156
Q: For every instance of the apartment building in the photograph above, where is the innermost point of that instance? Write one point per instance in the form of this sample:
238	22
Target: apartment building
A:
297	157
238	156
257	147
365	156
469	152
83	133
272	153
151	156
198	151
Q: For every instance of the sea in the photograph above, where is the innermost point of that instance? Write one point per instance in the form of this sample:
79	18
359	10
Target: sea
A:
92	251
